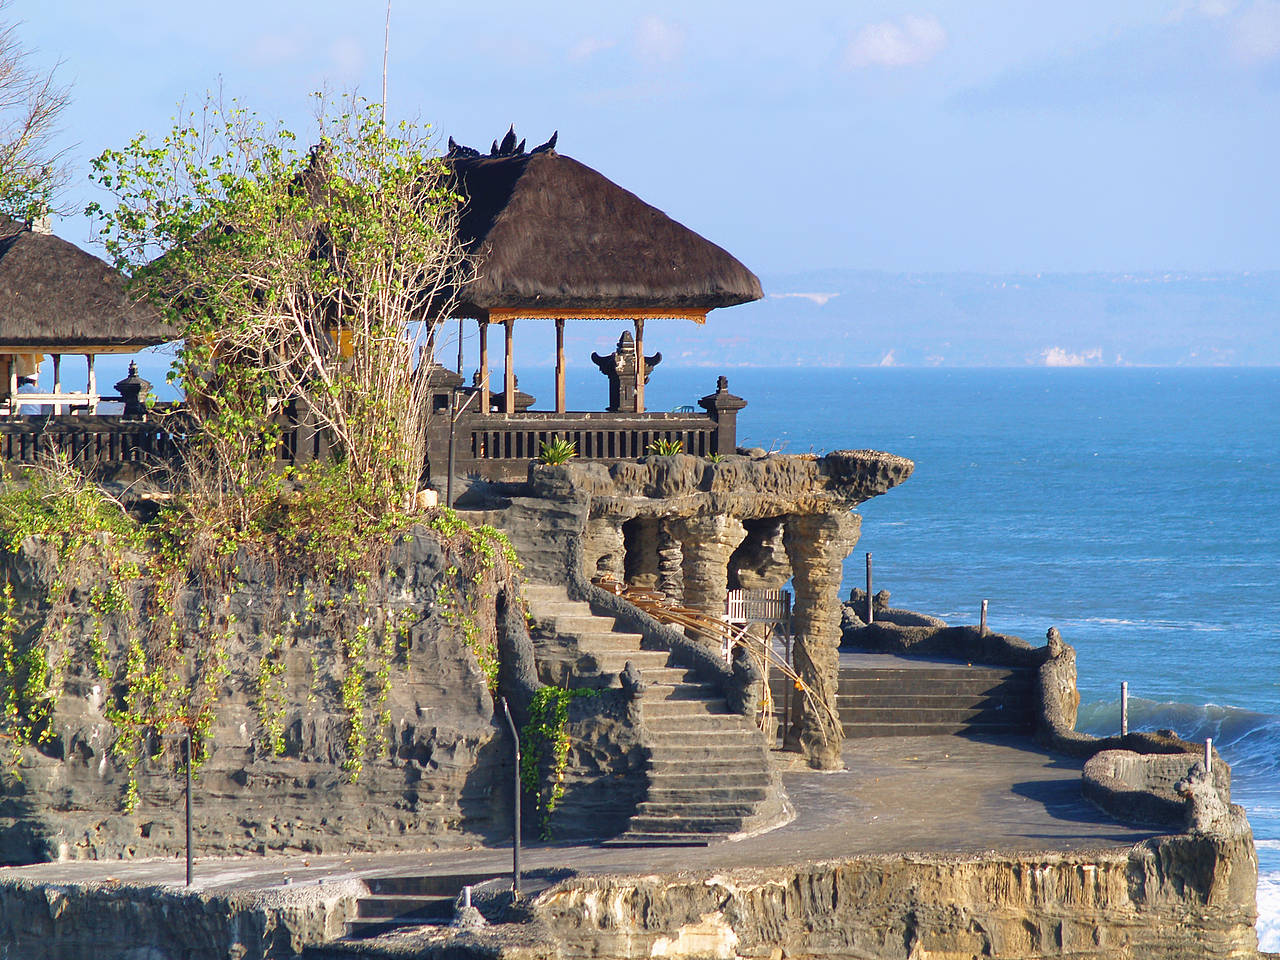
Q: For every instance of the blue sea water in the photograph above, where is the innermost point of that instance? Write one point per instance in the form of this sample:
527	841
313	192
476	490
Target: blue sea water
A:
1137	510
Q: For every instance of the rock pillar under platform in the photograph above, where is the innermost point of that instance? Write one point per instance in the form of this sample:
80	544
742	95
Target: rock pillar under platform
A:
760	562
670	565
817	545
706	543
604	549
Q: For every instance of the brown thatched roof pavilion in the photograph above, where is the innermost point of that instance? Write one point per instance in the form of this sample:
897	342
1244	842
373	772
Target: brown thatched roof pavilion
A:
551	238
56	298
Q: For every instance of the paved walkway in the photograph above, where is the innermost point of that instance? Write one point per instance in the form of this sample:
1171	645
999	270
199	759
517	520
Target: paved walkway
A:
901	795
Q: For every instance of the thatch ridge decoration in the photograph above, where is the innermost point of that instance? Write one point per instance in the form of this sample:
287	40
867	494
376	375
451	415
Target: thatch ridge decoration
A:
549	233
53	295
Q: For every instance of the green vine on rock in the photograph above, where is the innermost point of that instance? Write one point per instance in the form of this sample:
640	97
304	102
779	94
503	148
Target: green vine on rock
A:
546	746
483	555
271	690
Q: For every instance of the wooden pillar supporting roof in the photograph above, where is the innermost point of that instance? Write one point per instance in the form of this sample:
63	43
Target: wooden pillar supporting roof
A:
560	402
509	369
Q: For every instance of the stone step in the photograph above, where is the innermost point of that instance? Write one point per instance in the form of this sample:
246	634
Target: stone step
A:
635	839
704	749
406	901
662	721
670	676
450	884
928	702
941	672
612	661
857	730
711	793
549	610
416	906
675	692
955	714
610	641
702	777
575	624
698	752
864	686
715	710
676	826
715	810
672	732
362	928
532	590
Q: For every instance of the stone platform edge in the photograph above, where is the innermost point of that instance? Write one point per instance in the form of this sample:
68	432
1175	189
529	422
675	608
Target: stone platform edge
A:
1169	897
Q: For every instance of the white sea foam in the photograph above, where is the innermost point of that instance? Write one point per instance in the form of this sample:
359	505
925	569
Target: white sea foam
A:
1269	911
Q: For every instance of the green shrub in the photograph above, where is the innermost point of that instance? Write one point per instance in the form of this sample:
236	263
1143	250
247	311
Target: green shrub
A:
558	450
666	448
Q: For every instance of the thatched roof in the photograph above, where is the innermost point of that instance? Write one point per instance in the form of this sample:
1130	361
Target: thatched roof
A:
547	232
55	295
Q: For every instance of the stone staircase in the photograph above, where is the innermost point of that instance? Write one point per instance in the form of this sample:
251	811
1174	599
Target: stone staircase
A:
709	770
396	902
934	700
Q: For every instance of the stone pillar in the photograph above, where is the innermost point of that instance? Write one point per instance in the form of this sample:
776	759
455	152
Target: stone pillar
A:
817	545
603	549
760	563
670	564
706	544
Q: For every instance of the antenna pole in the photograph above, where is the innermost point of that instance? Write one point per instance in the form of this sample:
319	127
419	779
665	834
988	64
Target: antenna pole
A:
386	50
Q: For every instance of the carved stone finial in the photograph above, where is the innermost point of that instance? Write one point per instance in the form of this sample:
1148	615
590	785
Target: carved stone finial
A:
621	369
133	391
1056	645
633	682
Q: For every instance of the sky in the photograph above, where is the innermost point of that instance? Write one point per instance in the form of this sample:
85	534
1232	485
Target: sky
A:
1095	135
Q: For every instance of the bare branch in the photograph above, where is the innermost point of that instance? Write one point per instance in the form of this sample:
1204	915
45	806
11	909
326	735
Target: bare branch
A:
32	168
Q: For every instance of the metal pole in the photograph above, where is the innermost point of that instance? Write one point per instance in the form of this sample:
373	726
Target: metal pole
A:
1208	755
1124	708
453	420
188	740
515	833
459	346
982	625
870	614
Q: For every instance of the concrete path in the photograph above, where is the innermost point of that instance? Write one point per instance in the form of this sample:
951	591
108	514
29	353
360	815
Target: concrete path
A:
950	795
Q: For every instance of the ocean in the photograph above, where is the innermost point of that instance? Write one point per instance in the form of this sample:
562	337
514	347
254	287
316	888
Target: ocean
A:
1137	510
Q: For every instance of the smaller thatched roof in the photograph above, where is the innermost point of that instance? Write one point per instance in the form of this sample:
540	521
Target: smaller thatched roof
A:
55	296
549	233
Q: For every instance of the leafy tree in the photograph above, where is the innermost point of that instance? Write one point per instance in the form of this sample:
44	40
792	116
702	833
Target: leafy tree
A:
306	284
31	168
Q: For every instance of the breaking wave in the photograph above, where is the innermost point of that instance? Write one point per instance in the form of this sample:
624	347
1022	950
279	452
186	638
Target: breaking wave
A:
1247	739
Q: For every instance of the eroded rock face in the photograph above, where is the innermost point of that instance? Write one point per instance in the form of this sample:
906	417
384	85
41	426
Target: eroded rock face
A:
738	486
1176	898
434	783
